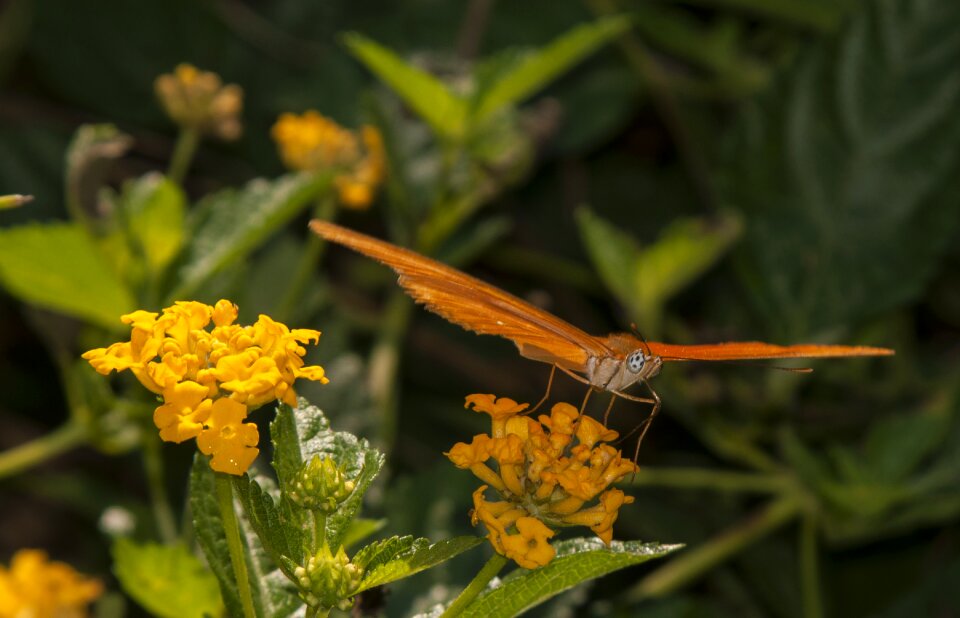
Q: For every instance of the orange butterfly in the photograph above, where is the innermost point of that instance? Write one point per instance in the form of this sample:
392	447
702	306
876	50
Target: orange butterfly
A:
610	363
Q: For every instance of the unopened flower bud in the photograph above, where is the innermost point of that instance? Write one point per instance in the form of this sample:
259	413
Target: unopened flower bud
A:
200	101
320	485
328	580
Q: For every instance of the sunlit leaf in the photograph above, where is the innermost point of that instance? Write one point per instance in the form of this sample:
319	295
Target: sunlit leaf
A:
155	209
577	561
532	71
430	98
57	266
401	557
167	580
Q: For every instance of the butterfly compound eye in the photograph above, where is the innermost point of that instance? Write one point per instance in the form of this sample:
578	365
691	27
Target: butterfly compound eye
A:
635	361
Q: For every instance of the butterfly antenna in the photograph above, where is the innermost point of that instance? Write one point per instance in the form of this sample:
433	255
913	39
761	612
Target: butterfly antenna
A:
639	335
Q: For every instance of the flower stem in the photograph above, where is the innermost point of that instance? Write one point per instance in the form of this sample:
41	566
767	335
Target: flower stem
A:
182	156
47	446
475	587
691	565
724	481
325	209
231	529
384	363
153	462
319	530
809	569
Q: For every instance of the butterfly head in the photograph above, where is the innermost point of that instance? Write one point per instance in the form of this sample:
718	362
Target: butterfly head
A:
642	364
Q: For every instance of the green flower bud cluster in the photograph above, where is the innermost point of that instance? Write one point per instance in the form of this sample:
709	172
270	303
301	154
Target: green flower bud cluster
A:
320	485
328	580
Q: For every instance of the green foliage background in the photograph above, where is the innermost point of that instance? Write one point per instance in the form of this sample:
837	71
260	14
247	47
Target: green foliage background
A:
739	169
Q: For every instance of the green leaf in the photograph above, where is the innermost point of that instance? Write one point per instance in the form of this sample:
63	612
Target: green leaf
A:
360	528
167	580
237	222
273	594
613	252
57	267
155	208
302	432
533	71
430	98
386	561
280	536
846	170
577	561
683	252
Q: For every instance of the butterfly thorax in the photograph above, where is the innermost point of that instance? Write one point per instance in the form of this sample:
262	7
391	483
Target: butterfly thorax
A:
631	362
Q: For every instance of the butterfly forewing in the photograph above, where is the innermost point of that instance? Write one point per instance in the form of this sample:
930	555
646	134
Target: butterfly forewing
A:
475	305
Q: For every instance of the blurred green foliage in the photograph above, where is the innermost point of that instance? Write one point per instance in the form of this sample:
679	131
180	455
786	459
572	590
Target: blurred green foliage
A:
707	169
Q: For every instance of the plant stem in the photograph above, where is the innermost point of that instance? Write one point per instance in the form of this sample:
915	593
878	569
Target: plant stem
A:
384	363
698	478
325	209
691	565
475	587
231	529
319	530
162	512
809	569
19	458
182	156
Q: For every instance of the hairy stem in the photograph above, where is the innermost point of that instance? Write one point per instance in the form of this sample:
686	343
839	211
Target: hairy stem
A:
182	156
231	529
475	587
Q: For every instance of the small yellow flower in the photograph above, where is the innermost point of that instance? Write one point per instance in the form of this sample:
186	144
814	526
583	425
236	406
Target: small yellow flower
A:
547	471
232	442
198	100
36	587
210	380
313	142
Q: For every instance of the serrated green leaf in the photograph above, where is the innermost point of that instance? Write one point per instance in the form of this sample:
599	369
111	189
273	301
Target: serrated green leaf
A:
167	580
279	536
534	70
419	557
274	594
384	550
360	528
430	98
847	181
56	266
237	222
155	209
613	252
577	561
302	432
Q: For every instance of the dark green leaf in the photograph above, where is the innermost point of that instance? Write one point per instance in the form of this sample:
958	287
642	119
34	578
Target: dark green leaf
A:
577	561
237	222
843	170
431	99
418	556
385	550
167	580
57	267
279	536
533	71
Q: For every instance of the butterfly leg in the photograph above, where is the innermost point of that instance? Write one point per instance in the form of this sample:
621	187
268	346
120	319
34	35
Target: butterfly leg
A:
649	420
546	395
606	415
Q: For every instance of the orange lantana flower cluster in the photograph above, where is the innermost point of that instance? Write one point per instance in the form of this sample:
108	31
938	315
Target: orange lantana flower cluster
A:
209	380
313	142
548	470
37	587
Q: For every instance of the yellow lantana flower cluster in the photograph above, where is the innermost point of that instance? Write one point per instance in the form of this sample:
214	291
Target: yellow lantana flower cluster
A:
547	471
313	142
36	587
210	380
199	100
